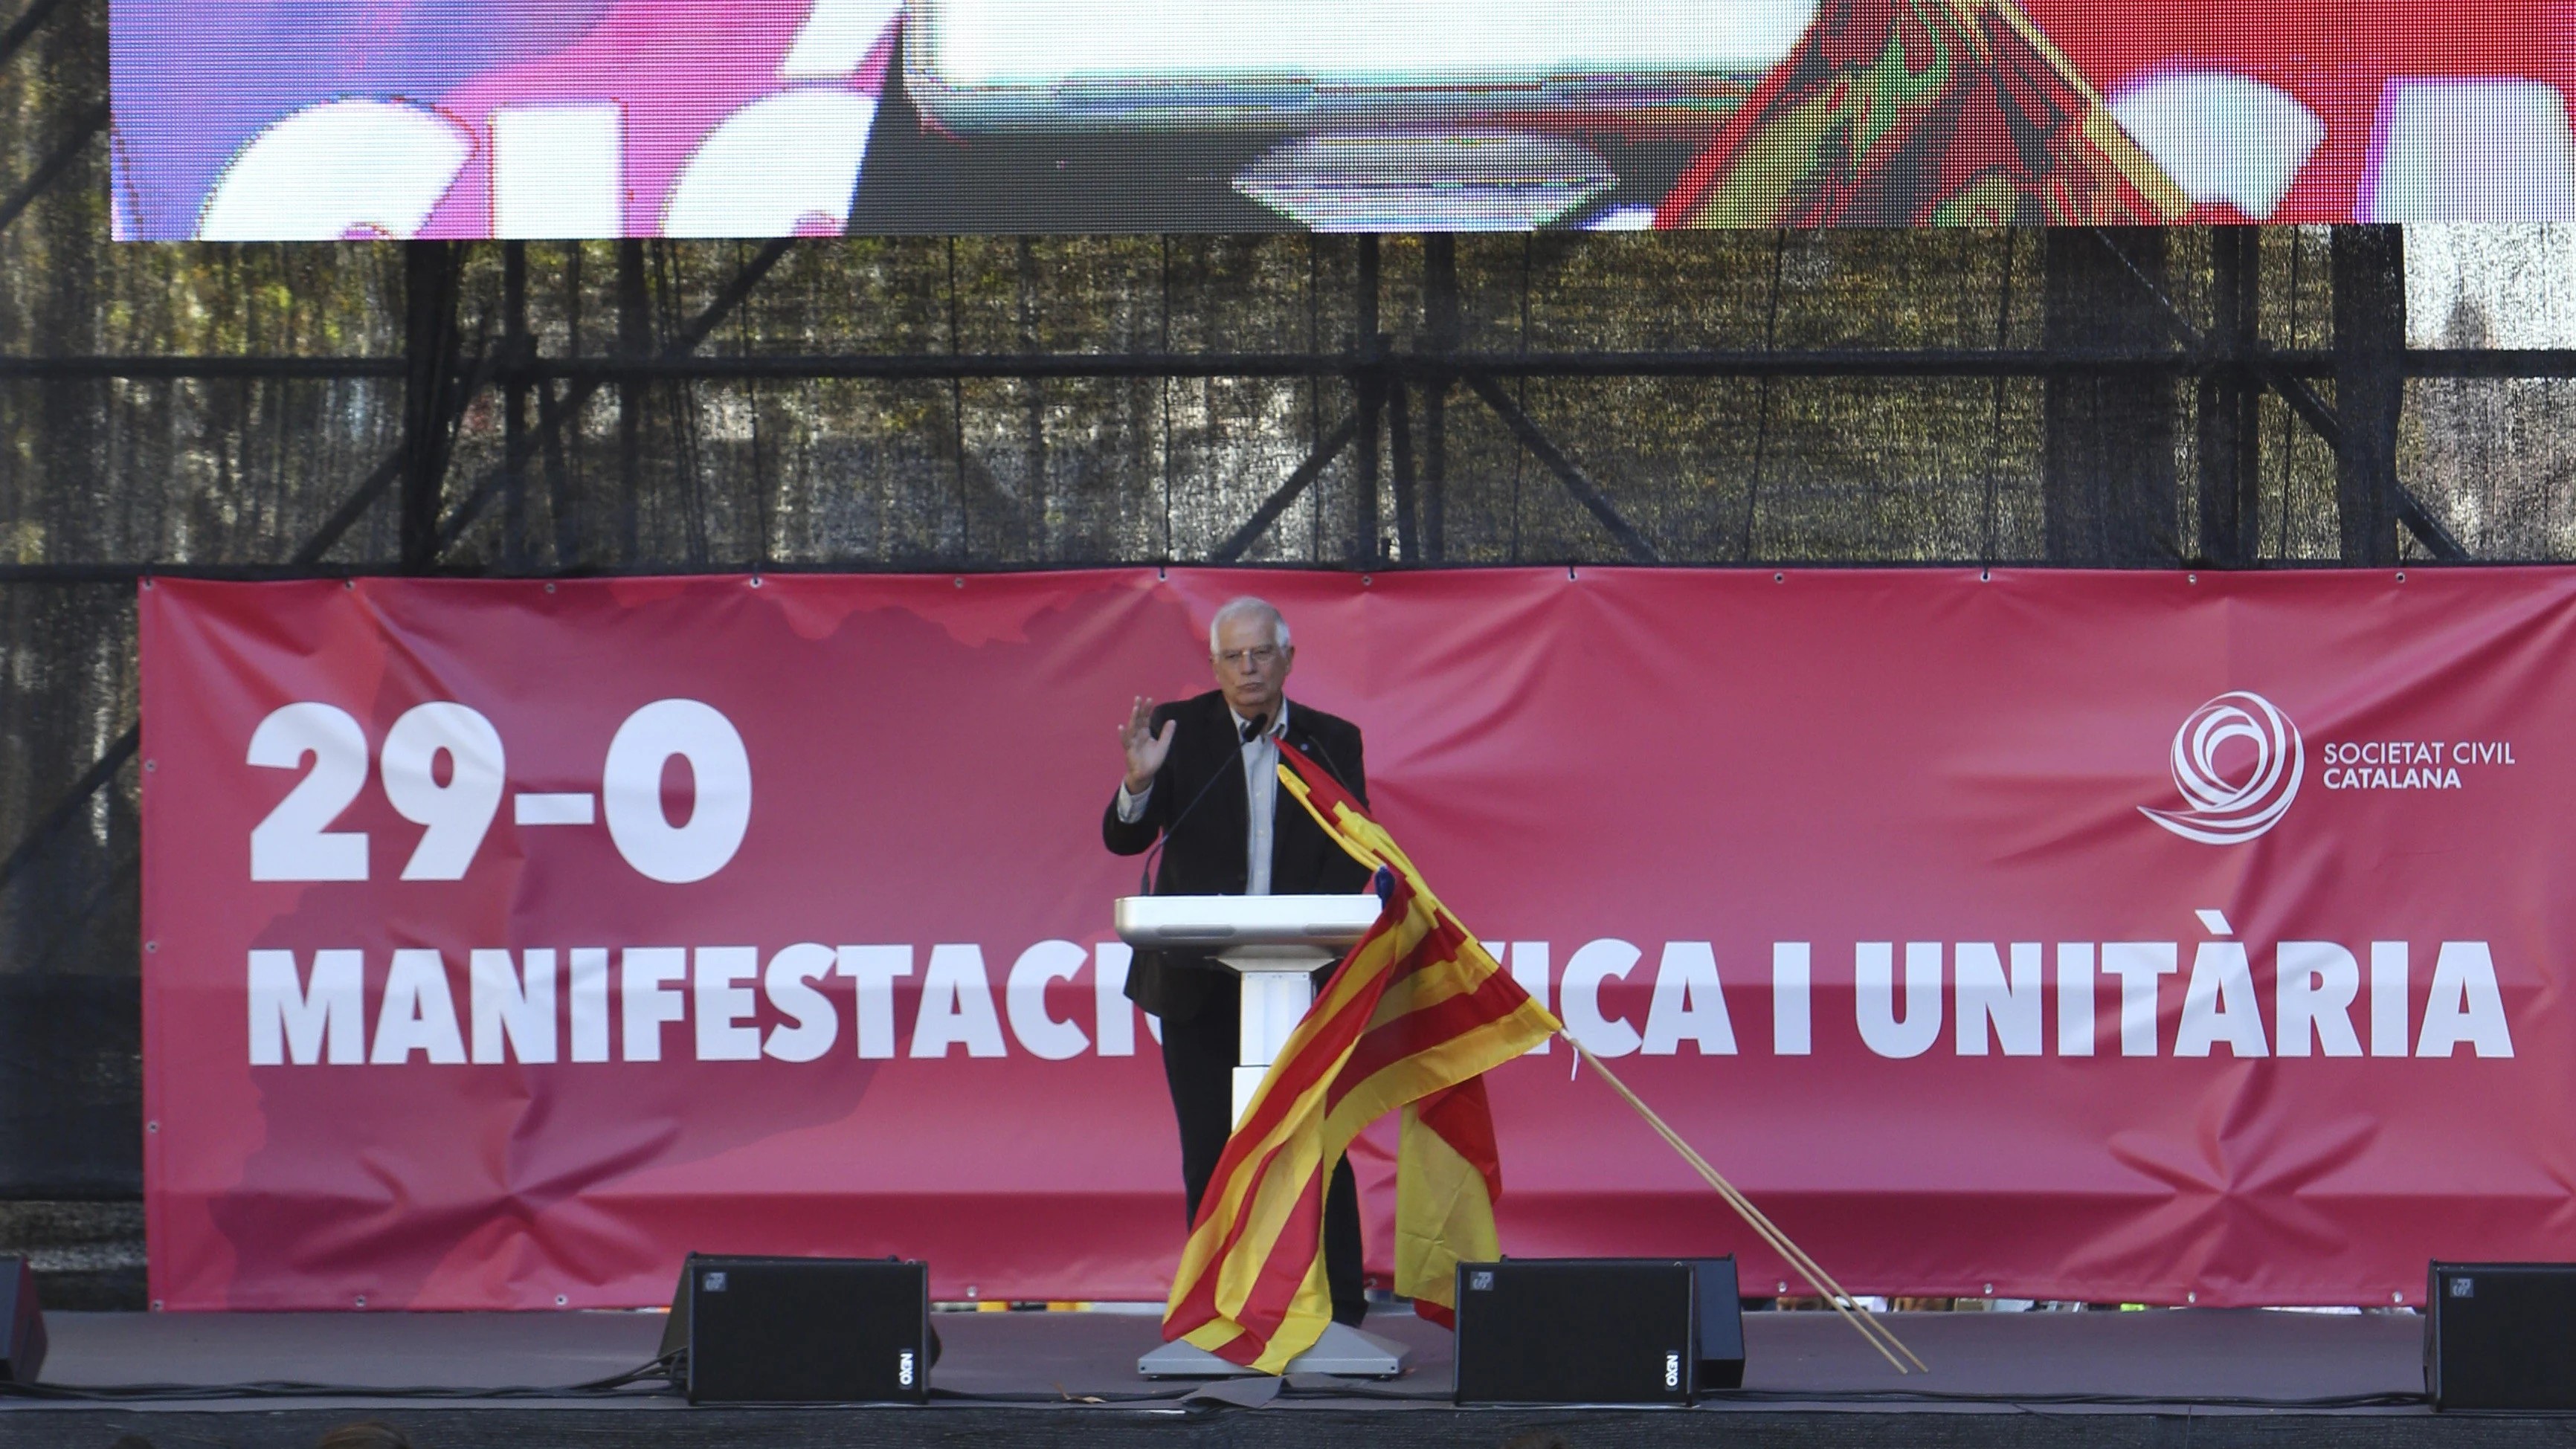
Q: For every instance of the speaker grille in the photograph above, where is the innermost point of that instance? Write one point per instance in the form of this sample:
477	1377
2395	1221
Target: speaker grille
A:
1576	1331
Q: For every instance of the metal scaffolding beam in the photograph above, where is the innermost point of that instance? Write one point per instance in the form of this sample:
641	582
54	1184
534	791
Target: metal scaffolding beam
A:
59	160
29	21
1421	368
69	807
2291	384
1277	503
1541	447
586	384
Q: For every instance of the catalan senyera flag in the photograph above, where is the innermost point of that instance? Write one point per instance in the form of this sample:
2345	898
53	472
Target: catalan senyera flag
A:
1417	1012
1922	112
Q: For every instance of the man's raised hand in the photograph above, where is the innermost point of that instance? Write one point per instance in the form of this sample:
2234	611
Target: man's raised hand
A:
1145	749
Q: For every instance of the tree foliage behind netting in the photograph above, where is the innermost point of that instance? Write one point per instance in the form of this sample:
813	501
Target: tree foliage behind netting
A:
872	473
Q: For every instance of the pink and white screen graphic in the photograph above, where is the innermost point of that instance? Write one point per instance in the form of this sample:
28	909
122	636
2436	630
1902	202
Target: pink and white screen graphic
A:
335	119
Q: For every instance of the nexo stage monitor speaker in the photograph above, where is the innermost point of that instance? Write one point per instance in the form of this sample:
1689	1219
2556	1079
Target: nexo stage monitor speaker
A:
802	1330
1721	1325
22	1323
1577	1331
2500	1336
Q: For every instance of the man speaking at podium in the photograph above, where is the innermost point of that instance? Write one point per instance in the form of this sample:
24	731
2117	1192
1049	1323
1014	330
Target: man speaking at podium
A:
1202	775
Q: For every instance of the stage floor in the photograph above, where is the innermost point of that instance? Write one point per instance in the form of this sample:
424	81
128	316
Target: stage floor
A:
1999	1377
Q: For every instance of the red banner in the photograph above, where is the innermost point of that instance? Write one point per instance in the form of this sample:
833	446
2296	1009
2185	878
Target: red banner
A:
2066	935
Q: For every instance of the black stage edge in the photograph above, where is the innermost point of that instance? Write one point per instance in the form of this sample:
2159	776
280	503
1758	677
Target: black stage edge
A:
1016	1381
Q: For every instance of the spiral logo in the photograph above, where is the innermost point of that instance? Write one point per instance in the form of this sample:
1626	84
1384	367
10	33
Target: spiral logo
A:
2224	811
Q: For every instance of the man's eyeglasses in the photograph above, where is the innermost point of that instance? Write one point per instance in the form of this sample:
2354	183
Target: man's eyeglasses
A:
1249	658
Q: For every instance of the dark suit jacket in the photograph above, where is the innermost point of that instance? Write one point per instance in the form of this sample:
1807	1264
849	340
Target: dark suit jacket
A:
1205	855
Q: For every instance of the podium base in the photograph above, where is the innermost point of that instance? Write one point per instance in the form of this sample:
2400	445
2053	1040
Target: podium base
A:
1343	1351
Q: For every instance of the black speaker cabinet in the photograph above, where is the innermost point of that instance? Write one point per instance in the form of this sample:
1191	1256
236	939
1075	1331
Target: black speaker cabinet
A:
22	1350
802	1330
2500	1336
1721	1325
1578	1331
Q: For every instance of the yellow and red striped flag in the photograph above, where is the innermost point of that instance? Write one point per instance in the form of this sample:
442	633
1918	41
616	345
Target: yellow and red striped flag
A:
1417	1012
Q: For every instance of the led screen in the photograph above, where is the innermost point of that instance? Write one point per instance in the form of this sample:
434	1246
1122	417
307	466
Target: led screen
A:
323	119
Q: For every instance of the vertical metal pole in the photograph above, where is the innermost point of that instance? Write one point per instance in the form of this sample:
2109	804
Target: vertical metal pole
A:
1441	329
1762	402
1399	447
2230	446
1520	389
957	428
2107	485
1163	321
1314	395
1995	437
1036	499
2370	386
2249	397
634	341
561	497
2289	419
429	343
514	405
1365	547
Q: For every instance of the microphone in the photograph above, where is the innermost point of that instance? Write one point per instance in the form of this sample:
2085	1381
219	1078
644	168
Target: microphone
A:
1145	876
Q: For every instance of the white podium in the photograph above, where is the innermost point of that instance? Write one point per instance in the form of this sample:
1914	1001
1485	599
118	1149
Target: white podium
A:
1275	943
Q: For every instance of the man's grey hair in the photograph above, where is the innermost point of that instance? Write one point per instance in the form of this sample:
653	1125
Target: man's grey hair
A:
1248	607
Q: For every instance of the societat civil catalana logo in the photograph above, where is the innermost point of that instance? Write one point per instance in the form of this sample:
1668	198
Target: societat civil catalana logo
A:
2228	806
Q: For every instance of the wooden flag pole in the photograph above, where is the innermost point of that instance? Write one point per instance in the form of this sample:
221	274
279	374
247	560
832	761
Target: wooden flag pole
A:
1866	1324
1876	1334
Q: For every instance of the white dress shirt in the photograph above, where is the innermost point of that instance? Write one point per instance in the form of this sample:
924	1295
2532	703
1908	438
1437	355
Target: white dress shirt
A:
1260	797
